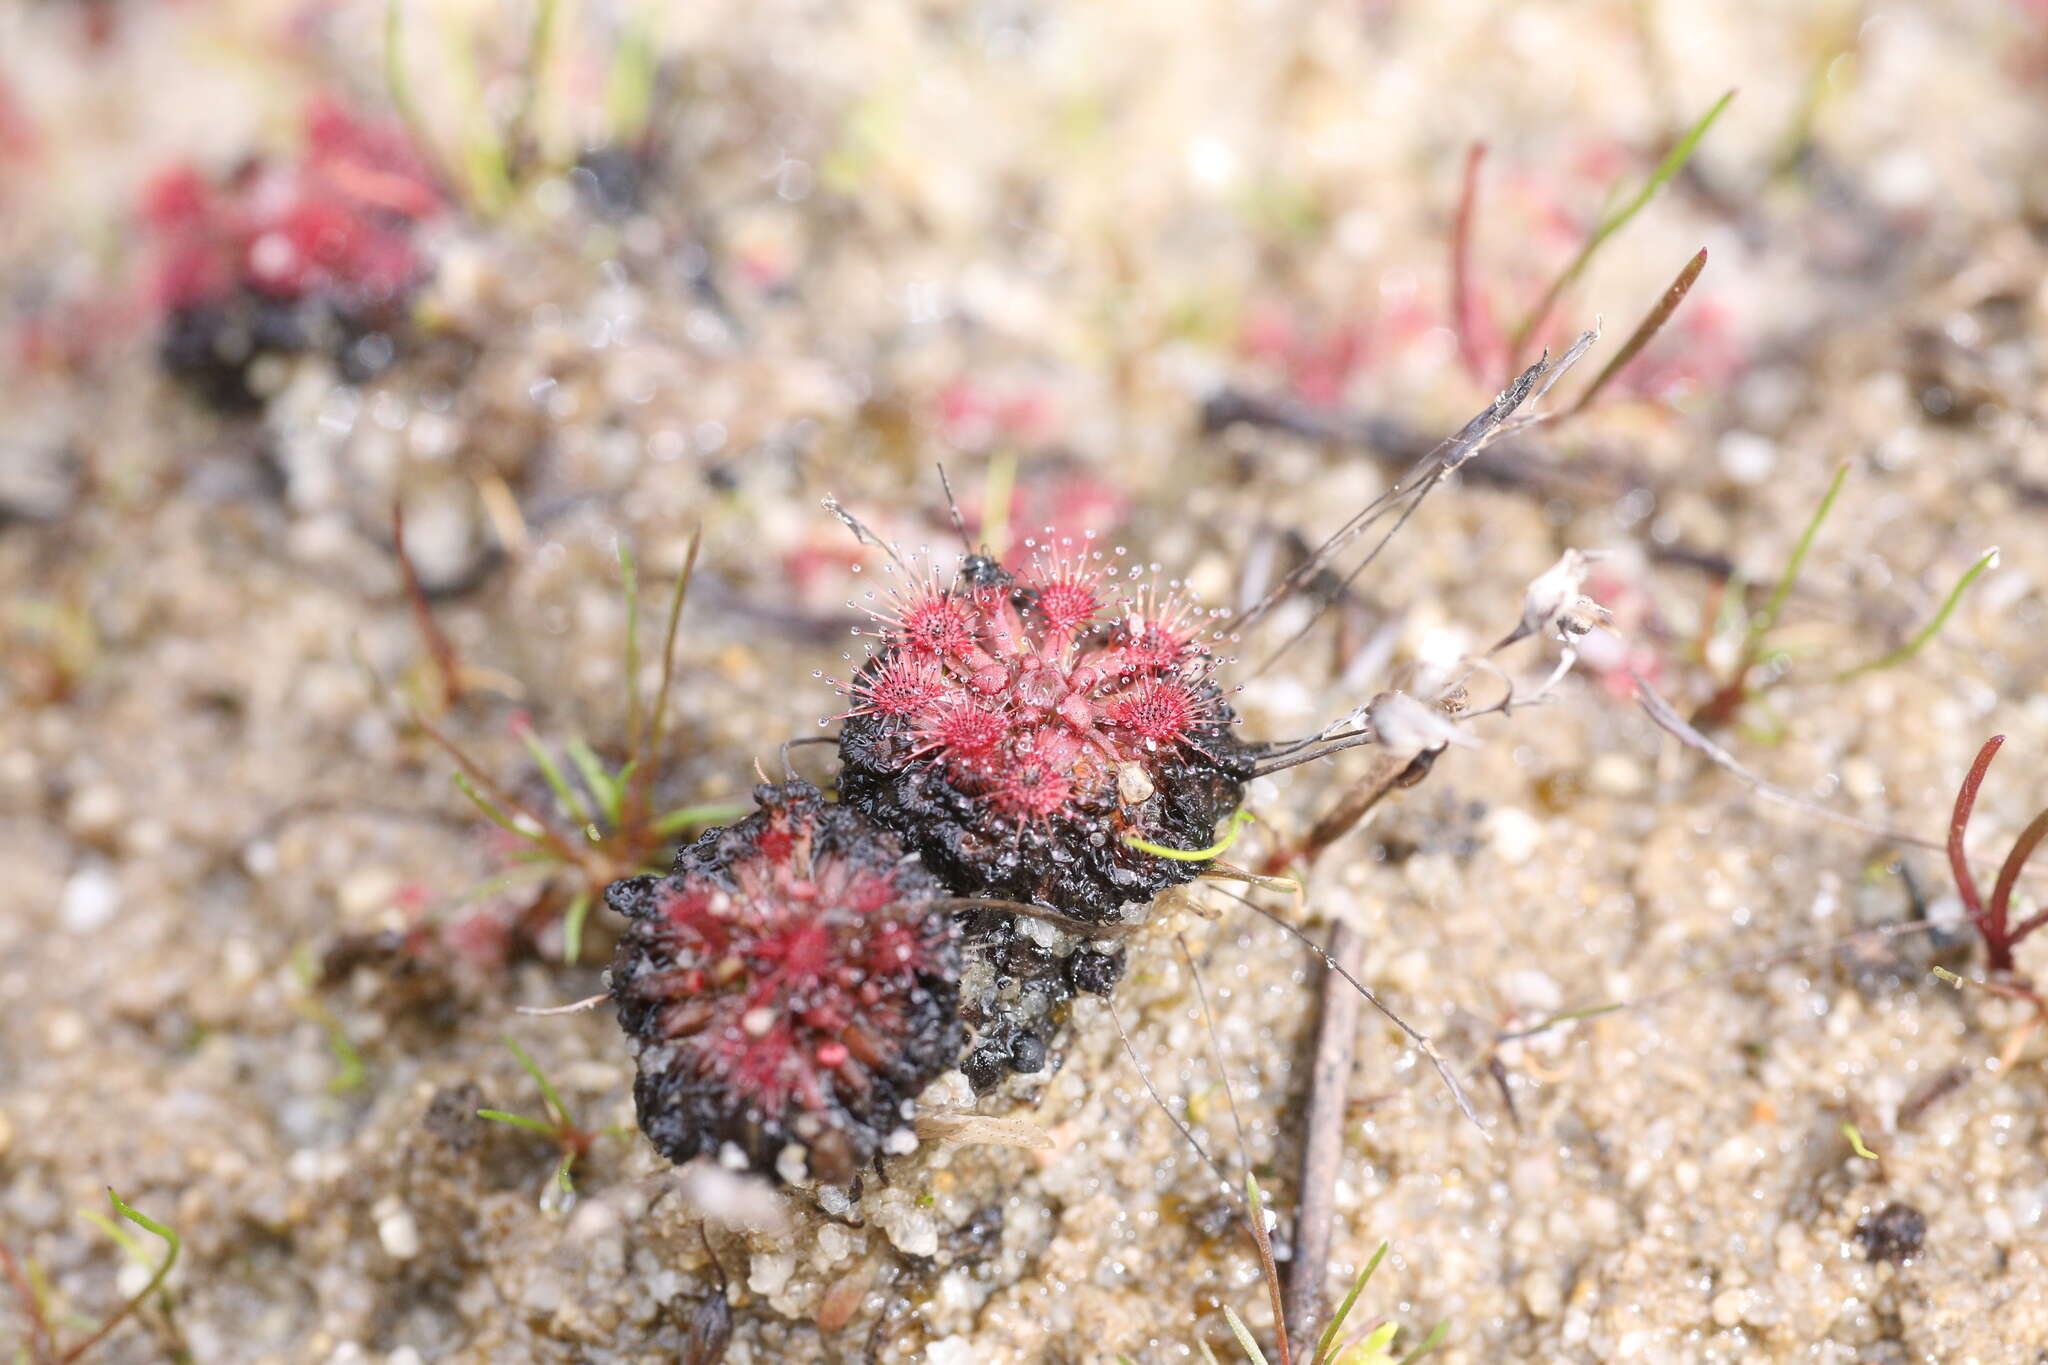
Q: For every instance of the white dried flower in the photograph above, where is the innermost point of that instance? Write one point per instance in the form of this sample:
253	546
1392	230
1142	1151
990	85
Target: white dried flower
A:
1554	600
1406	727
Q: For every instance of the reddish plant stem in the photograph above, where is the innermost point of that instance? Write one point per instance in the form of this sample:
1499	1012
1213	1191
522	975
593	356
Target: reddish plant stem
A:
1989	920
42	1345
2001	894
439	646
1646	330
1471	316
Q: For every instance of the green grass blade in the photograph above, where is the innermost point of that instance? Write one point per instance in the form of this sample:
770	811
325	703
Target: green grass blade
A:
1244	1336
1766	620
564	790
1327	1343
562	1174
517	1121
995	501
1208	1356
553	1101
492	813
629	585
1429	1343
609	790
154	1229
118	1316
349	1071
659	722
120	1236
572	928
1985	562
539	46
629	86
396	80
1374	1349
1614	221
709	813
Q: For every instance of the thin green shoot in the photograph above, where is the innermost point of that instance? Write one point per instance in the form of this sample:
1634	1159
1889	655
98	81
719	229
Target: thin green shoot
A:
37	1293
607	789
488	177
539	46
1243	1335
398	83
1238	820
1375	1349
995	502
1327	1343
572	927
643	756
1613	221
349	1069
708	813
1729	697
571	799
518	1121
1986	561
629	584
1429	1343
1766	620
1855	1138
1952	979
559	1127
1208	1356
548	1095
522	826
629	86
611	830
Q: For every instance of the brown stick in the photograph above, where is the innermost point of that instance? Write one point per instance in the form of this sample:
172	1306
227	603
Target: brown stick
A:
1329	1083
1322	1154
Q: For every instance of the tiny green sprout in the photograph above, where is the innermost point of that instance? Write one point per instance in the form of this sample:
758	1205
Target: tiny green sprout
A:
41	1346
1673	162
1950	977
1375	1349
559	1127
350	1072
1855	1137
1238	820
1243	1335
1986	561
1756	648
604	823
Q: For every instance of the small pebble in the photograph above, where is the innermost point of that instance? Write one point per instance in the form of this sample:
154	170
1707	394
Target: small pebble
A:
397	1232
91	898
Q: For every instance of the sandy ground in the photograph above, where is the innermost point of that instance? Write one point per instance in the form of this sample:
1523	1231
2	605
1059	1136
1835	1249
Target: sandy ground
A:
1028	241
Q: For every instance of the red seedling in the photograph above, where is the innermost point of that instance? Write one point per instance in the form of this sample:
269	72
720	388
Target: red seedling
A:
1991	917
